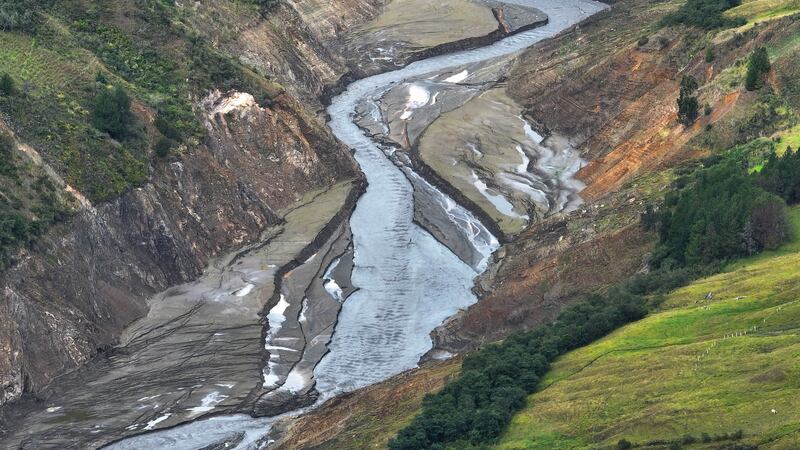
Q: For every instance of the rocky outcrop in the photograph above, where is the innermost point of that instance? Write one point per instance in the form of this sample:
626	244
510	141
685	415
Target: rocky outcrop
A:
294	44
87	279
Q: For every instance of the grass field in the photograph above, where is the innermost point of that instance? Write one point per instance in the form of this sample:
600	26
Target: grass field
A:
761	10
698	366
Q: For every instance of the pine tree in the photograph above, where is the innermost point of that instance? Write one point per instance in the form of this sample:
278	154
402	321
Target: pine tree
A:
687	102
7	86
112	112
757	65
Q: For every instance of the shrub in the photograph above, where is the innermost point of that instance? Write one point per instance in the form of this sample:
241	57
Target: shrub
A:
166	128
757	66
709	54
163	146
687	102
111	112
18	15
7	166
7	85
624	444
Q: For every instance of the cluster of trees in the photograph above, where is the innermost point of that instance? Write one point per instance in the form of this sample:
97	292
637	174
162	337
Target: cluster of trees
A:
687	102
757	66
706	14
111	112
724	213
495	380
18	15
781	176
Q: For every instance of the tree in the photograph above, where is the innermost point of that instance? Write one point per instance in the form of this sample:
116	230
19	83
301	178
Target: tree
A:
7	86
624	444
111	112
19	15
7	166
687	102
709	54
757	65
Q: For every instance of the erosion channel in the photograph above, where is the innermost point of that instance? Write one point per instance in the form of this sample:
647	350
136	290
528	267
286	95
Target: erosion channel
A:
352	308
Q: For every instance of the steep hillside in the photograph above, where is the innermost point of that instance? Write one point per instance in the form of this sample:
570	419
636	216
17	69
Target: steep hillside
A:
719	357
614	98
95	219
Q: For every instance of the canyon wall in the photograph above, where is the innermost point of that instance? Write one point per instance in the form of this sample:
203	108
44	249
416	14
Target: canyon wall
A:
71	293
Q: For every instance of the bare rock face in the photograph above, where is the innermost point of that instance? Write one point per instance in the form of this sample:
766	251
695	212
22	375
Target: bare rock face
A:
295	44
89	278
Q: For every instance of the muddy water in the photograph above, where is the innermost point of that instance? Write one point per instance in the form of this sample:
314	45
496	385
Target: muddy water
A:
408	282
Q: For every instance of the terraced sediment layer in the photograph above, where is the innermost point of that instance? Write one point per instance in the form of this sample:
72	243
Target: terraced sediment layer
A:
198	350
408	30
488	151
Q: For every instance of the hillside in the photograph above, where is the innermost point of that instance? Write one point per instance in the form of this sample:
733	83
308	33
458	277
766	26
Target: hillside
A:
719	356
610	87
210	153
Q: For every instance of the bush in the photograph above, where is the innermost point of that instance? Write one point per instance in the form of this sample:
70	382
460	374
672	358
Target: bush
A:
757	66
709	54
166	128
163	146
687	102
111	112
624	444
7	166
18	15
7	85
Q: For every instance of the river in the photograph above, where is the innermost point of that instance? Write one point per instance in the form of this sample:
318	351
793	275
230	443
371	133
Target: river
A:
408	282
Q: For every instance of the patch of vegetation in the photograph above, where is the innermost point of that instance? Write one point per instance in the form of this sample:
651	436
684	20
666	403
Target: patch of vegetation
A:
27	206
476	407
716	358
768	114
111	112
687	102
721	214
757	66
705	14
19	15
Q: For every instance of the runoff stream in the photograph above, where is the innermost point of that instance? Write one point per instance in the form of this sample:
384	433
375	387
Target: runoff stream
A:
408	282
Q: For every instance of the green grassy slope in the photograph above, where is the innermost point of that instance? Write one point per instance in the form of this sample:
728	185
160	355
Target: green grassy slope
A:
699	366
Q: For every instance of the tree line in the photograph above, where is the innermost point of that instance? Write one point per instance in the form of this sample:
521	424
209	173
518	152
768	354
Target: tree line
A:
494	382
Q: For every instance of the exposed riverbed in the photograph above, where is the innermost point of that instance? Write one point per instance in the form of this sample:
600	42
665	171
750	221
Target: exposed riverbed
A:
393	280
